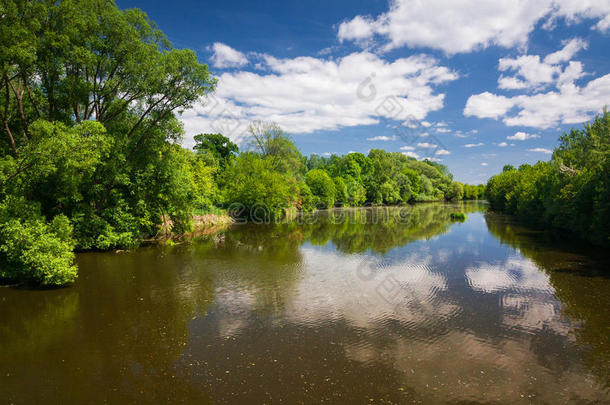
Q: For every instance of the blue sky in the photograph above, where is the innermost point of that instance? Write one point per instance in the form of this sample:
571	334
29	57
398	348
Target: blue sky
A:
473	84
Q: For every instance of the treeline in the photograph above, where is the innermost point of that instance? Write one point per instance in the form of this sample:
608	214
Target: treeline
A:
570	193
272	178
90	155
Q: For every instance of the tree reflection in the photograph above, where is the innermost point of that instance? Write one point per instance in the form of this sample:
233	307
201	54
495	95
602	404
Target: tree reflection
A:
351	230
581	282
114	336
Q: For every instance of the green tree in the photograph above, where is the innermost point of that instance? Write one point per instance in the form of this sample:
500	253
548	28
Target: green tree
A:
570	192
217	145
256	189
455	191
322	187
341	194
271	141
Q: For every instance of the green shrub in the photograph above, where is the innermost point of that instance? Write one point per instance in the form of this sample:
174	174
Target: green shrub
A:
458	216
35	251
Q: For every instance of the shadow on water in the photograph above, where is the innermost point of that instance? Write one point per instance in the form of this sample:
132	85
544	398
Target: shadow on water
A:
580	275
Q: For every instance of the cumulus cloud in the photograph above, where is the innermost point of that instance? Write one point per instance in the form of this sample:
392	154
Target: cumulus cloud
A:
358	29
484	164
502	144
473	145
570	49
530	68
411	154
468	25
225	57
488	105
552	96
522	136
307	94
382	138
541	150
604	25
533	73
441	152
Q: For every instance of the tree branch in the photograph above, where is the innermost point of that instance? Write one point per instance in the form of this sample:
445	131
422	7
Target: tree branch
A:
5	121
19	98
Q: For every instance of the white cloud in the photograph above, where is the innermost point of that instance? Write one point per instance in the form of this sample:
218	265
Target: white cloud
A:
522	136
307	94
224	56
483	164
570	105
411	154
530	68
407	148
502	144
473	145
567	103
382	138
541	150
570	49
468	25
441	152
358	29
426	145
487	105
532	73
603	25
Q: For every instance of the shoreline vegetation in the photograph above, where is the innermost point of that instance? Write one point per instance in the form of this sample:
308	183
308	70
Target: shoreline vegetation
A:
90	154
570	193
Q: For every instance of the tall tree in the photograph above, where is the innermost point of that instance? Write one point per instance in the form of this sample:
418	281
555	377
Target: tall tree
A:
217	145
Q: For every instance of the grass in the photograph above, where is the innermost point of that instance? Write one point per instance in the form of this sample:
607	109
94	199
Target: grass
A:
458	216
209	210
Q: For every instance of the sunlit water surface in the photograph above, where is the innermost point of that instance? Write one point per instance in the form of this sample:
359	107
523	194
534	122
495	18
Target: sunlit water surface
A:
351	306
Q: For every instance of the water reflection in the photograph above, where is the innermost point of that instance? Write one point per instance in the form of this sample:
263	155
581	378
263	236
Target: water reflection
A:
347	306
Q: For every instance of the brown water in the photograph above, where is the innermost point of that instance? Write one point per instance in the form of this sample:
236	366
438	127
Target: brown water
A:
355	306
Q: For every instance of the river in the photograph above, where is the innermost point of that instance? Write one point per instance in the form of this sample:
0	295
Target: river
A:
370	305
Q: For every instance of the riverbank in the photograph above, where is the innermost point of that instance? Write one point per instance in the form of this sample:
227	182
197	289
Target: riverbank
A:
205	224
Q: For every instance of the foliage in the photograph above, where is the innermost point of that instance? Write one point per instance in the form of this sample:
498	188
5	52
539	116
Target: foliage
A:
257	189
268	139
458	216
341	193
88	109
455	192
322	187
217	145
33	250
571	192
